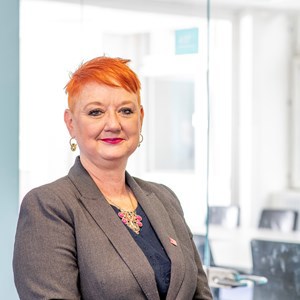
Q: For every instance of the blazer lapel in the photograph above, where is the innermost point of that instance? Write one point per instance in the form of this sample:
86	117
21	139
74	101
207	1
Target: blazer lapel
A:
162	224
105	217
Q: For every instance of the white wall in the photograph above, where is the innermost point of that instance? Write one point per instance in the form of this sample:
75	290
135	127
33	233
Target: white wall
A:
272	48
71	35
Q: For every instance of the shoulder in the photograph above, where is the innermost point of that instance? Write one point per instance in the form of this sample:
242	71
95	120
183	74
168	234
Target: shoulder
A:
51	196
166	195
154	187
171	204
61	185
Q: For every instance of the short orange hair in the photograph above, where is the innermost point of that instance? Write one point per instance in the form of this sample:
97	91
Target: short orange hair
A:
105	70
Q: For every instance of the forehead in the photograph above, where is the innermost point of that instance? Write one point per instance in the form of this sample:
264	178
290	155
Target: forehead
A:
93	91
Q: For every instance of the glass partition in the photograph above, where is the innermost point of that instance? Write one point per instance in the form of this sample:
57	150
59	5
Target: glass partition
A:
171	144
174	92
264	151
220	88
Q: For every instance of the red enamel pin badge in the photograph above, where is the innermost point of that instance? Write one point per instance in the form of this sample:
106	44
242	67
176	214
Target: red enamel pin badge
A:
172	241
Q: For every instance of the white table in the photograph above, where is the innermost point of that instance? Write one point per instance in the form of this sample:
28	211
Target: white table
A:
231	247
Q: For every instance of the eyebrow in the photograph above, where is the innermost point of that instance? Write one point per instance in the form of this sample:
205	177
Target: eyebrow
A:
125	102
93	103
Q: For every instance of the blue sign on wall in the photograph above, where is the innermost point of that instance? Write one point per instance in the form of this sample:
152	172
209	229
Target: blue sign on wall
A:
186	41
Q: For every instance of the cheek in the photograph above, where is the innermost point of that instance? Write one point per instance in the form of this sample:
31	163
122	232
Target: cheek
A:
135	128
86	129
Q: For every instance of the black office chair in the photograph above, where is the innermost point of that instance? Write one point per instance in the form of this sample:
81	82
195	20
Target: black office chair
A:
227	216
226	280
201	242
279	262
279	219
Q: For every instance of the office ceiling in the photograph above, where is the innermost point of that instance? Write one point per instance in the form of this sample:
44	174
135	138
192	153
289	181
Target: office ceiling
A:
194	7
271	4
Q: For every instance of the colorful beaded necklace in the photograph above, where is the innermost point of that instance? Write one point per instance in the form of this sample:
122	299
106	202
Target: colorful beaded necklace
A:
129	218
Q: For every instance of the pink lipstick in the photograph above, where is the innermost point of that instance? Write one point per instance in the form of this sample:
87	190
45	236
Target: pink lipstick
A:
112	140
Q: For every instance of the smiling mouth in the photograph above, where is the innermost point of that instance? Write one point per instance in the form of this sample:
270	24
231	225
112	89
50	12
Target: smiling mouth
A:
112	140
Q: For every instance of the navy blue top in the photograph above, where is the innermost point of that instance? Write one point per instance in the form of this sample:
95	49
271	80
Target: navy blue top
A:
154	251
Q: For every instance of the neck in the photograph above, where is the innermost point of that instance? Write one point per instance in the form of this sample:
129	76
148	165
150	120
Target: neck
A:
126	203
109	180
112	184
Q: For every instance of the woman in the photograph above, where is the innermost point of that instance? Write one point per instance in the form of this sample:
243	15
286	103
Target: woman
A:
99	233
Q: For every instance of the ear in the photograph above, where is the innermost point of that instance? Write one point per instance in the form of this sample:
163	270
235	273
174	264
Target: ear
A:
141	115
68	117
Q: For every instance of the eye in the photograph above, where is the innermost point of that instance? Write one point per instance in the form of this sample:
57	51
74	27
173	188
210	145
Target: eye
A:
95	112
126	111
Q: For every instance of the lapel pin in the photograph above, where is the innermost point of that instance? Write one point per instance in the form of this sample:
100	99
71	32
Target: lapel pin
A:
172	241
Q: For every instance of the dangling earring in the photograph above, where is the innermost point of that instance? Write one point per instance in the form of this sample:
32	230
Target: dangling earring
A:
73	145
141	140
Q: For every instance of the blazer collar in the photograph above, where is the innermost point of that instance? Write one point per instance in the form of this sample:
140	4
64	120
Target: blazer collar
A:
162	224
94	201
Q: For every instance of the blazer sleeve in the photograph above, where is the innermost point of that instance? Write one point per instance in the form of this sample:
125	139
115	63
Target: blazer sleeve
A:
203	291
44	260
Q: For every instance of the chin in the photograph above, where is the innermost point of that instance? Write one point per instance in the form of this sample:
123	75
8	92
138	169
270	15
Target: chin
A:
114	157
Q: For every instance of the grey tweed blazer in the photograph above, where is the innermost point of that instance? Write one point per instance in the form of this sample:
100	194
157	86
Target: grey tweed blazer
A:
70	244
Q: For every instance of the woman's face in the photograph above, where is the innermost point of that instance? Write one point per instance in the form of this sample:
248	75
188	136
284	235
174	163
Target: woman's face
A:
106	123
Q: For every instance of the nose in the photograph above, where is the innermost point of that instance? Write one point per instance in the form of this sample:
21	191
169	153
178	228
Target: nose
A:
112	122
